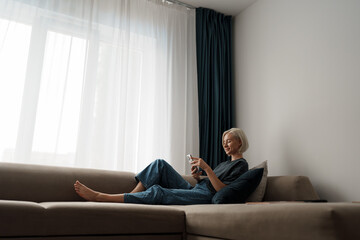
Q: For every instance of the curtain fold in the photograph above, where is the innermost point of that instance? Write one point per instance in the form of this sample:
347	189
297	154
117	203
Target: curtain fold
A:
106	84
214	66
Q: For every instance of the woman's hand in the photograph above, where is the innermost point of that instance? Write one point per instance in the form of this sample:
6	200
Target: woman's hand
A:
195	164
215	181
195	173
199	162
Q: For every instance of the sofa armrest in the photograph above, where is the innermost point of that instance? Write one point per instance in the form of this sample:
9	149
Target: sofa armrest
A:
289	188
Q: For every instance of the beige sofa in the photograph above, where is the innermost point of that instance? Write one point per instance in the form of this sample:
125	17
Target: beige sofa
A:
38	202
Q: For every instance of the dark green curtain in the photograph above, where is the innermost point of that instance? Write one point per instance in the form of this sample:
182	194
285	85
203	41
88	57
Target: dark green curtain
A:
214	66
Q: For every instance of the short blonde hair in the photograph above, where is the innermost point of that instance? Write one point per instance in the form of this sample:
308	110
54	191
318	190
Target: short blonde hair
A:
239	134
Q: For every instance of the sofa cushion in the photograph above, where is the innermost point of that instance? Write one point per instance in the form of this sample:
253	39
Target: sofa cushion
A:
281	221
19	218
88	218
289	188
258	194
239	190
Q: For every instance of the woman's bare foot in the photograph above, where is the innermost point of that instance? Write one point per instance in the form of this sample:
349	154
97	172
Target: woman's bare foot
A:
85	192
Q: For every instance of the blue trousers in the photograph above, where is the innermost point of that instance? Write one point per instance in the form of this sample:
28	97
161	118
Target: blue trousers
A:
166	186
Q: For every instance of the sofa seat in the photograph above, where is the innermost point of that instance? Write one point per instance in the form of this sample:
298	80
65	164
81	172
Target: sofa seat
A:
21	218
277	220
89	218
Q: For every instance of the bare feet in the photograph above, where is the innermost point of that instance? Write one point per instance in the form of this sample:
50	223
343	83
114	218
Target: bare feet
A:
85	192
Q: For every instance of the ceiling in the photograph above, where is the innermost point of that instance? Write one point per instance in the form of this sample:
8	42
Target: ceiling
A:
227	7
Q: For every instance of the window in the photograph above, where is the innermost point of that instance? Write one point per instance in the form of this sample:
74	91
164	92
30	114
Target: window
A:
52	93
57	116
14	48
99	84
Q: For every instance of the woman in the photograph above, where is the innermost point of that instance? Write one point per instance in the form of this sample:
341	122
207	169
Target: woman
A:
159	183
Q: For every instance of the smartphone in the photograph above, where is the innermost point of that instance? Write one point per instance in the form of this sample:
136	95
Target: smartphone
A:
190	160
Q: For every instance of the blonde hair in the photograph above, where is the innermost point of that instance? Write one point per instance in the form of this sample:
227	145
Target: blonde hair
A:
240	135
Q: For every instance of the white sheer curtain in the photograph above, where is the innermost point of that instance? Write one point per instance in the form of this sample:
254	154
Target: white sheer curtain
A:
107	84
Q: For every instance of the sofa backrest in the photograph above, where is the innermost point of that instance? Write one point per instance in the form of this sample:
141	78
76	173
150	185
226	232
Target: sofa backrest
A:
284	188
39	183
289	188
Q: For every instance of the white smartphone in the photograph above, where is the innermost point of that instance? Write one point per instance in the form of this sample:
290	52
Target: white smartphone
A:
190	160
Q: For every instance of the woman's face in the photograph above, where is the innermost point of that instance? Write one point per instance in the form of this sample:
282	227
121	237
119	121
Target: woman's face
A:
231	144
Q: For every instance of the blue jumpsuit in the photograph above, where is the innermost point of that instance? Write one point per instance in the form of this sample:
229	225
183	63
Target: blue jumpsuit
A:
166	186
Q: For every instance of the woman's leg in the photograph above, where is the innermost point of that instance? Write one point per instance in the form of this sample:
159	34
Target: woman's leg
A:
91	195
139	188
161	173
158	172
159	195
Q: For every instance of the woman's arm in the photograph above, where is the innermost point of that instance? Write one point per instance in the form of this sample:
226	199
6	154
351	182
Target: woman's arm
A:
215	181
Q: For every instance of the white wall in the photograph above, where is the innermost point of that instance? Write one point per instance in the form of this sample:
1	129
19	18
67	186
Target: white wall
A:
297	88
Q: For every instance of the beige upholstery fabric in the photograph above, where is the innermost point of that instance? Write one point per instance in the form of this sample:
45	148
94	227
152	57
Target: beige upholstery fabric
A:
19	218
87	218
196	237
280	221
79	218
258	194
289	188
62	215
46	183
117	237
